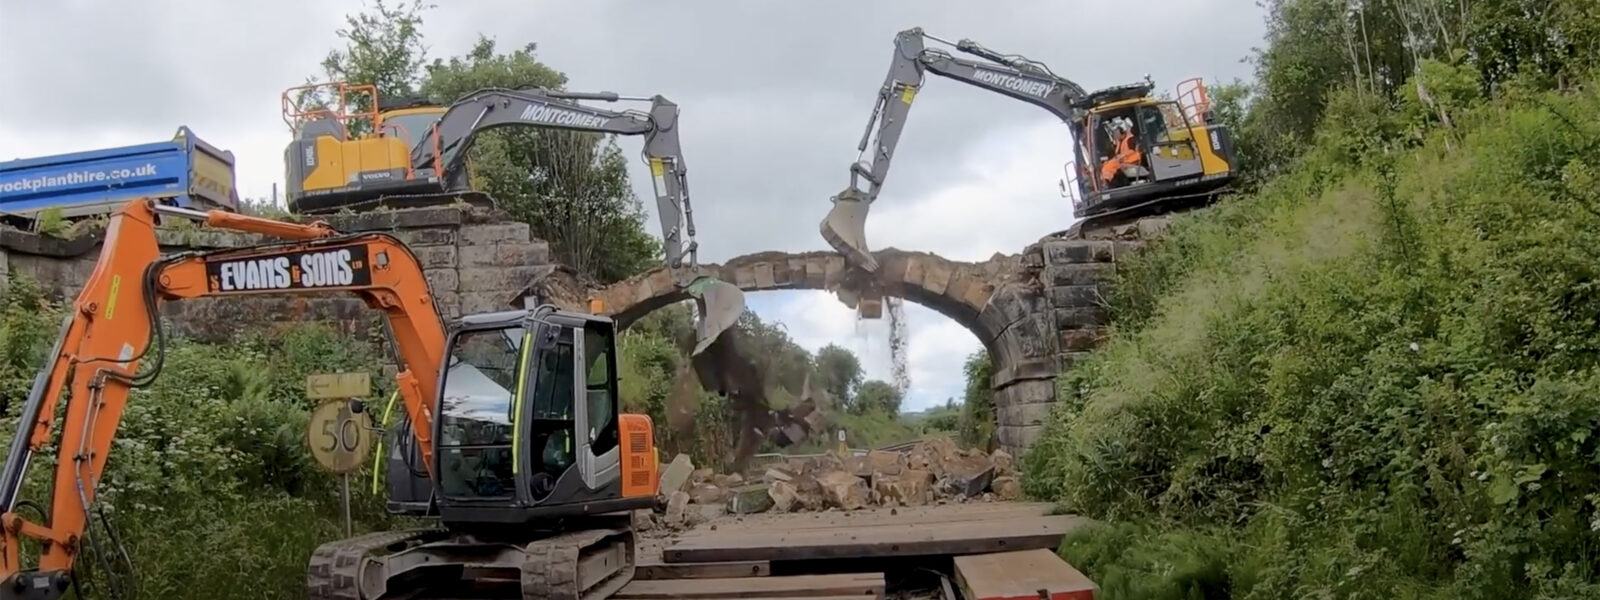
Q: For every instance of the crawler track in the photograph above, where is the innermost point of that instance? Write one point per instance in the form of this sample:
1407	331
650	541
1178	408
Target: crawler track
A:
569	566
398	201
335	570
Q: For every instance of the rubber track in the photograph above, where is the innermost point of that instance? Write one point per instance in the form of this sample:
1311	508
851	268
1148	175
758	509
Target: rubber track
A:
404	201
335	569
551	568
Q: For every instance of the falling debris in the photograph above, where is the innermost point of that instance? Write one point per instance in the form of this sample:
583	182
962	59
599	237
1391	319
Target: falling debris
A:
933	471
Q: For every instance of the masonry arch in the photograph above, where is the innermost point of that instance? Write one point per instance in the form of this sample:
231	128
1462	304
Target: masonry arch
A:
1001	301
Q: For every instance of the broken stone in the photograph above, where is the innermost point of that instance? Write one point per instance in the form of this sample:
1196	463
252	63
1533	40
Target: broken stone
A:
1003	463
810	492
883	491
747	499
705	513
643	520
677	509
969	476
913	488
1006	488
887	463
784	496
700	476
843	490
778	474
676	475
727	481
707	493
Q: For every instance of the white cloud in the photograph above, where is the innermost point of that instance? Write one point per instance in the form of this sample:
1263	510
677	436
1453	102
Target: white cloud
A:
771	115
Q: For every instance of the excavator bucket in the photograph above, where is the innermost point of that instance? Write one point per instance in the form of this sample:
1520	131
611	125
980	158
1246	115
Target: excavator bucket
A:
845	228
720	304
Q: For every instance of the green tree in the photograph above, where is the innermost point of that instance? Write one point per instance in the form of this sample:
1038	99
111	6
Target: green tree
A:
838	373
876	397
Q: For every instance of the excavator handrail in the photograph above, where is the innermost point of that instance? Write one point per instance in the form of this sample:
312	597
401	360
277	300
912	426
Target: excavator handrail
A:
1193	100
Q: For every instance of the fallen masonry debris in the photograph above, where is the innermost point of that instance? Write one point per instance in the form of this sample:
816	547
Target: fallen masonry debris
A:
929	472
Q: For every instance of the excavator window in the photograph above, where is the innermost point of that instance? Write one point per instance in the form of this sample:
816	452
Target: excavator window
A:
599	368
553	398
475	426
409	127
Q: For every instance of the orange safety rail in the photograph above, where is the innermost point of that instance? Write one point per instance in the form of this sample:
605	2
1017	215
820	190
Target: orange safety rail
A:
438	150
294	113
1192	99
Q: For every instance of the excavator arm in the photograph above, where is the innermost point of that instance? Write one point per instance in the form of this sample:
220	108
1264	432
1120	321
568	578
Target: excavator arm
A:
114	329
446	144
1014	76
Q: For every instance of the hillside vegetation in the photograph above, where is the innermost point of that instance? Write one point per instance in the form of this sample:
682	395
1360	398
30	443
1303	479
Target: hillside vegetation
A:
1376	374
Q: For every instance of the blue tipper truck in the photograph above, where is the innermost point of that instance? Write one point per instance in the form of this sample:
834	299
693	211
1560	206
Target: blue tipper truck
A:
184	172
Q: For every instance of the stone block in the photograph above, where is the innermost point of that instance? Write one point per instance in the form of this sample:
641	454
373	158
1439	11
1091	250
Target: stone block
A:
1079	340
816	273
1153	227
1075	296
936	276
427	237
1035	335
763	276
1059	252
1077	273
442	280
833	271
1121	249
1038	369
414	218
484	302
1081	317
916	270
1024	414
503	278
495	233
505	255
1027	391
435	257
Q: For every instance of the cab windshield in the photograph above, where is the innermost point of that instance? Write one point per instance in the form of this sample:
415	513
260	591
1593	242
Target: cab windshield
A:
475	413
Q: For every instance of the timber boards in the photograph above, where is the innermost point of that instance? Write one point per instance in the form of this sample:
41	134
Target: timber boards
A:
913	515
893	537
858	586
742	568
1008	575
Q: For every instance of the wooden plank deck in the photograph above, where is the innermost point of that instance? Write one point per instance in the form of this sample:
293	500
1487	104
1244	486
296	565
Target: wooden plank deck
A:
1025	575
857	586
909	531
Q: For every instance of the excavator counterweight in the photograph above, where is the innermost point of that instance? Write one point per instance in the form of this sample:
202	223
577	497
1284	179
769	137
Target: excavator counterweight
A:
512	418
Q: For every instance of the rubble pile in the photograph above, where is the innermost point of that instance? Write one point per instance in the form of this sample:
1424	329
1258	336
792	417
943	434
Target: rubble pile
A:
933	471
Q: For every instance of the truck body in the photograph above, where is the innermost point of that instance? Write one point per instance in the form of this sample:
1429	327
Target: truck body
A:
185	172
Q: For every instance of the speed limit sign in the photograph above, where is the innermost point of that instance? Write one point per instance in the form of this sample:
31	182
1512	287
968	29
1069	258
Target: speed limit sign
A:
340	438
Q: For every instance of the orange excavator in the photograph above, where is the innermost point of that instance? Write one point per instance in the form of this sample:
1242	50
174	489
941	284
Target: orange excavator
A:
525	459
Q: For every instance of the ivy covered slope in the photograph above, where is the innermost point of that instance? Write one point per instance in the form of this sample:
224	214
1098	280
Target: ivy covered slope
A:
1377	376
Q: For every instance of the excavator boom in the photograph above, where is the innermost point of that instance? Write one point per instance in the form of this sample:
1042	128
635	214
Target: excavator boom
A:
538	517
442	153
113	330
1013	76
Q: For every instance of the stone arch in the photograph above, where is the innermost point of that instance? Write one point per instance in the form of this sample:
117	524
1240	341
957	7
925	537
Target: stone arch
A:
1001	301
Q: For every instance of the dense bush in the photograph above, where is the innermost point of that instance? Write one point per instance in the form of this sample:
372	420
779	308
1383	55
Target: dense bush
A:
1375	377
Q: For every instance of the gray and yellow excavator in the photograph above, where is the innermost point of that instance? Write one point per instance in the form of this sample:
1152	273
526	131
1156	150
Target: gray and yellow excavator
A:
1135	153
415	154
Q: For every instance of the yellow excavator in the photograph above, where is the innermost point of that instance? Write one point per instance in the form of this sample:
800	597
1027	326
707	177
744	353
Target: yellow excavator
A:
1135	153
409	153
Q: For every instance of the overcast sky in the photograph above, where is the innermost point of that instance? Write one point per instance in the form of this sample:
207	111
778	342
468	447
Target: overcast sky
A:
774	95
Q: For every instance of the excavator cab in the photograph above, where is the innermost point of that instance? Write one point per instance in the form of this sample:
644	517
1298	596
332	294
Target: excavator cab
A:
529	425
1134	149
